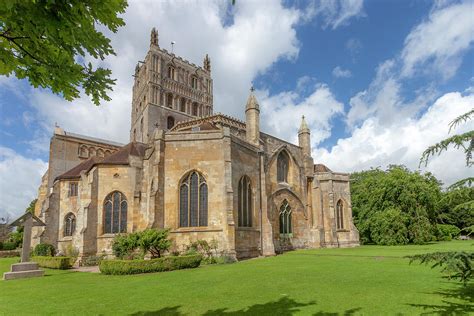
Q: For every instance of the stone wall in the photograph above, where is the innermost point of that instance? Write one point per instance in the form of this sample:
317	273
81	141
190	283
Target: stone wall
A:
204	152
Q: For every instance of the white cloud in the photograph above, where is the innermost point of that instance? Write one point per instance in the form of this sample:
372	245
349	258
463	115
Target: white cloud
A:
438	43
281	114
261	33
353	45
375	144
20	178
334	13
339	72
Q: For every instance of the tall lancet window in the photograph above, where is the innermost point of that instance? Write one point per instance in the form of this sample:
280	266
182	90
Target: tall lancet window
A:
245	202
69	224
115	213
193	200
340	215
283	162
286	227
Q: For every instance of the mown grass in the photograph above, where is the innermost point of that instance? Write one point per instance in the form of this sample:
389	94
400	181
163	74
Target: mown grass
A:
368	280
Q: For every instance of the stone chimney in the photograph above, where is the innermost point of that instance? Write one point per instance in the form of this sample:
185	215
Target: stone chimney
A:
252	119
304	137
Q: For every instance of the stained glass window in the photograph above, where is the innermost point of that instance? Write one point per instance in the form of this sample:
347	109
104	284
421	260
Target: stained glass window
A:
115	213
193	201
245	202
285	219
69	224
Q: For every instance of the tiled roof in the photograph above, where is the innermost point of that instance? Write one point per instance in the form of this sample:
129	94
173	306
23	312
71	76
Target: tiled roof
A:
120	157
75	172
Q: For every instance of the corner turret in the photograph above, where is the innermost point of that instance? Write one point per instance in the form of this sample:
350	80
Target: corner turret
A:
304	137
252	119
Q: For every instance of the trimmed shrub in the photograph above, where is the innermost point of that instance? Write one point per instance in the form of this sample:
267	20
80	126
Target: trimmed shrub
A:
447	232
44	250
62	263
9	245
122	267
9	253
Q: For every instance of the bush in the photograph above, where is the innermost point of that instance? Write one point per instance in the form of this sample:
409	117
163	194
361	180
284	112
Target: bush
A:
151	241
9	245
62	263
124	245
208	250
44	250
421	230
122	267
447	232
154	241
389	228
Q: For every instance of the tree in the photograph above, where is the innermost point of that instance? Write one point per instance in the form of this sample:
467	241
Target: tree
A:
464	141
395	206
154	241
47	41
455	264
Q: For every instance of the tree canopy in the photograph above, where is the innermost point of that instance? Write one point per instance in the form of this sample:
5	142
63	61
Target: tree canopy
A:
47	42
464	141
394	206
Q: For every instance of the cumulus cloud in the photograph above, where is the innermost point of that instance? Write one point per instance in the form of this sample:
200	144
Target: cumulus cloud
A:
281	114
20	178
241	46
438	43
376	144
333	13
339	72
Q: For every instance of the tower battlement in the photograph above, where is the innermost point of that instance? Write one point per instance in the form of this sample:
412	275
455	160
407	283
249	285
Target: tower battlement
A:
168	89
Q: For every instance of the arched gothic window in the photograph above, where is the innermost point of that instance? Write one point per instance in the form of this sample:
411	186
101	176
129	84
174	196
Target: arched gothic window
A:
340	215
286	227
171	72
115	213
69	224
193	201
182	105
282	167
169	100
170	122
194	82
245	202
195	109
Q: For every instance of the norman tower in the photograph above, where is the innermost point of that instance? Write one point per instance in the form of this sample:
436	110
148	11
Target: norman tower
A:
168	89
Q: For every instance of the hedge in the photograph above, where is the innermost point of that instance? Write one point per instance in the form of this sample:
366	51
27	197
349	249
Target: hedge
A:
121	267
9	253
62	263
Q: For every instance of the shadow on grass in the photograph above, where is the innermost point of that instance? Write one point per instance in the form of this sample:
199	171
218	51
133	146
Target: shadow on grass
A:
464	306
282	307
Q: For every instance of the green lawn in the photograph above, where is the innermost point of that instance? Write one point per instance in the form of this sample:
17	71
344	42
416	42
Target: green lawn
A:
368	280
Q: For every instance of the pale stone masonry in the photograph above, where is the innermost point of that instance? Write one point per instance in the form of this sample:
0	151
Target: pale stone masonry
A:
202	175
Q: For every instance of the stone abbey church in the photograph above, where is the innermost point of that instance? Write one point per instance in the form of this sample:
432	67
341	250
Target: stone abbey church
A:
202	175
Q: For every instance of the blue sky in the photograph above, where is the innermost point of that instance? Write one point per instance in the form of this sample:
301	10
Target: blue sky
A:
378	80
